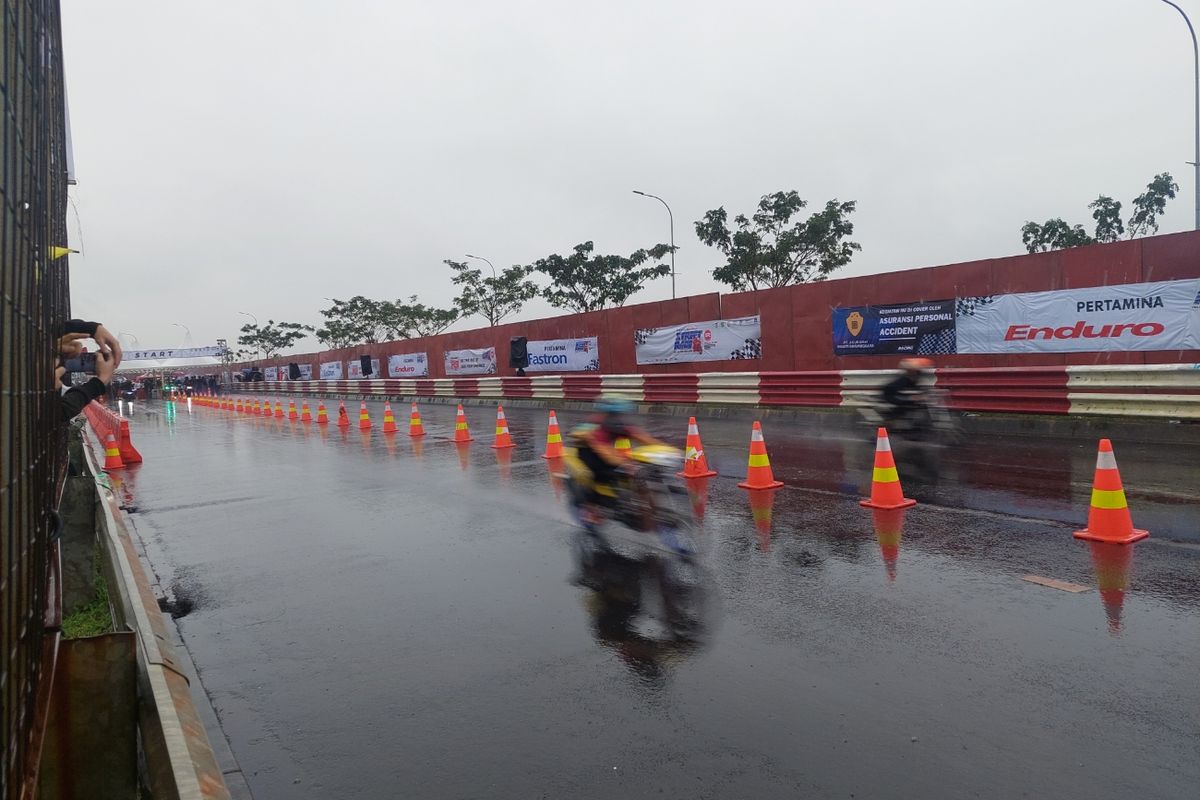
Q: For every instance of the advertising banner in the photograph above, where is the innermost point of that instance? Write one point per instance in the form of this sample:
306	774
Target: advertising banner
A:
717	340
331	370
911	328
408	365
564	355
354	369
471	362
305	372
177	352
270	373
1137	316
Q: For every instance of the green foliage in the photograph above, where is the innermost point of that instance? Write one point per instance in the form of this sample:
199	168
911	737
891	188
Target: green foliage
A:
271	339
584	282
768	249
93	618
361	320
493	298
1055	234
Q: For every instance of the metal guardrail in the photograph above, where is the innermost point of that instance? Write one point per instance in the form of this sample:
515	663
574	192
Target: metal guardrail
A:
34	302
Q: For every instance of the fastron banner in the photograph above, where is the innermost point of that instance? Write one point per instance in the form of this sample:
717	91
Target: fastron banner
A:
564	355
408	365
717	340
471	362
331	370
1133	316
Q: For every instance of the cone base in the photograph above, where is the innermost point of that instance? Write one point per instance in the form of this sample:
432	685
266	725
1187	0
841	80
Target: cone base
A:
463	441
364	427
549	457
710	473
907	502
503	446
386	429
415	435
752	487
1134	535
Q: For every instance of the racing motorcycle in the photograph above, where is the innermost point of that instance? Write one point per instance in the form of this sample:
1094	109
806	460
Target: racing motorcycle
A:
644	511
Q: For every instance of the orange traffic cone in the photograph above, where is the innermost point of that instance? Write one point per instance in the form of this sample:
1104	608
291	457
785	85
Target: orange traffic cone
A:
112	455
762	506
254	408
758	471
389	422
503	439
305	412
1112	562
322	414
241	407
504	456
889	527
695	463
461	432
415	428
278	410
364	418
343	417
885	481
464	455
554	445
698	494
1108	519
292	415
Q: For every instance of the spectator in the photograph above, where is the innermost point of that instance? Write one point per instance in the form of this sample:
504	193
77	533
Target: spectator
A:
78	329
75	398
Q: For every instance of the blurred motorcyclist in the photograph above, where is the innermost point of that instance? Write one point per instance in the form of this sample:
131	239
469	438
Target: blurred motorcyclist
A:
904	396
597	442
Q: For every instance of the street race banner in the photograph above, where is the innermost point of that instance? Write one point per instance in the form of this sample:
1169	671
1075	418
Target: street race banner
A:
305	372
178	352
1137	316
408	365
270	373
910	328
331	370
471	362
564	355
354	369
717	340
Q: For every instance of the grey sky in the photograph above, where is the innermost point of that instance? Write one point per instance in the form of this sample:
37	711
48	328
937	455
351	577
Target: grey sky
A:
259	156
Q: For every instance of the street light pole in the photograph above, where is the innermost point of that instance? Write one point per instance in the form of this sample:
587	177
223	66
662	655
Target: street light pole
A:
187	332
489	263
495	280
251	316
671	218
1196	75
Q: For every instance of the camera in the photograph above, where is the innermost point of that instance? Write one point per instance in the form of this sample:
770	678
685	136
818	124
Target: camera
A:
85	362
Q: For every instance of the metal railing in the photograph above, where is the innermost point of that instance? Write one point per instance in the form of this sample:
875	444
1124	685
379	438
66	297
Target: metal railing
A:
33	305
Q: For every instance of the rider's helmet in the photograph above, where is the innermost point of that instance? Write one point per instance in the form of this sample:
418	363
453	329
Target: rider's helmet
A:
614	408
916	365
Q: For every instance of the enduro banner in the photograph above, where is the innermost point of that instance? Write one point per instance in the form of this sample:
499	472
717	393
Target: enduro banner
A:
564	355
913	328
178	352
471	362
408	365
354	369
270	373
718	340
331	370
1137	316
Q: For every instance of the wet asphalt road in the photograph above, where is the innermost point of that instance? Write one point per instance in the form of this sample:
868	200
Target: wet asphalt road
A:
376	618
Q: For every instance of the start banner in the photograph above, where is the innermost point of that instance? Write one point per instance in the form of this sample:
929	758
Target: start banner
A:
917	328
471	362
331	370
408	365
354	369
716	340
1136	316
564	355
178	352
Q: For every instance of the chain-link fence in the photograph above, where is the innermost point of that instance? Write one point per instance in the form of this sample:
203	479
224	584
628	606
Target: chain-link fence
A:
33	305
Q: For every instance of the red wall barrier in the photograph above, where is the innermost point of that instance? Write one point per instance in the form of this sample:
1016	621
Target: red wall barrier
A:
797	320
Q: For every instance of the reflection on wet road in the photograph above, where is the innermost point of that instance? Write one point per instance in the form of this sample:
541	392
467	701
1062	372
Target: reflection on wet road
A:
377	616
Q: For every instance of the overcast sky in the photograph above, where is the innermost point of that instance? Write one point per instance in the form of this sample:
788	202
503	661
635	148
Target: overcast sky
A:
260	156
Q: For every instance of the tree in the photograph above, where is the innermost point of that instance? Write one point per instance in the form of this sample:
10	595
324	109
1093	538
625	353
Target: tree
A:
492	298
428	321
273	338
769	250
1055	234
358	320
584	282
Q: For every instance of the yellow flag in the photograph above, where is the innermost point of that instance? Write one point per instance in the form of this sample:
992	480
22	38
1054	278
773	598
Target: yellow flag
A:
58	252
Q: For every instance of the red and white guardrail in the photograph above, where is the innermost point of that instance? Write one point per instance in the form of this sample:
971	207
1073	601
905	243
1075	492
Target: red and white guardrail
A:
1159	390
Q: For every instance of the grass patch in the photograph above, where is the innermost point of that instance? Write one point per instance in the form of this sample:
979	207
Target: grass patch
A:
91	619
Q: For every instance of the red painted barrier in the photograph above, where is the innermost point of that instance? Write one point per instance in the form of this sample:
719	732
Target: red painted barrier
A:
823	388
582	387
672	388
1031	390
517	386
